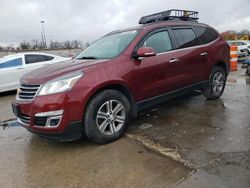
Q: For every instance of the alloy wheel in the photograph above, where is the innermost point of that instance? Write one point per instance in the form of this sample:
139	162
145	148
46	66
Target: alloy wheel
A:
110	117
218	83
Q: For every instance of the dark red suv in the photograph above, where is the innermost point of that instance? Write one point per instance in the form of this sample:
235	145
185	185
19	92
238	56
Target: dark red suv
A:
97	93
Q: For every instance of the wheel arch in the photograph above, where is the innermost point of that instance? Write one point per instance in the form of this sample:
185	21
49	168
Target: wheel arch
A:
223	65
118	86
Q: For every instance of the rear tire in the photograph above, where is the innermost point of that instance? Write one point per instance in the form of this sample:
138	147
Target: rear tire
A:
107	116
216	83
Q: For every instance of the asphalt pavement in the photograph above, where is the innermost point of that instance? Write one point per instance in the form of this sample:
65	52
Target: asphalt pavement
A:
186	142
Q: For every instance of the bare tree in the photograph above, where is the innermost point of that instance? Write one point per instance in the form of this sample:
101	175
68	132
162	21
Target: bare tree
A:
52	44
25	45
41	45
67	44
34	44
56	45
76	44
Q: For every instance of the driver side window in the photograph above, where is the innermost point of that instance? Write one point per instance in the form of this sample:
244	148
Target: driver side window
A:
160	42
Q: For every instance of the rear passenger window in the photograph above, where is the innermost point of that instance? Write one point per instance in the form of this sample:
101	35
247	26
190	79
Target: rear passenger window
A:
206	35
37	58
160	42
185	37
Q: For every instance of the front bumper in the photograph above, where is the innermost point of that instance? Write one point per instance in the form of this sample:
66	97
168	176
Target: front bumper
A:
72	132
64	111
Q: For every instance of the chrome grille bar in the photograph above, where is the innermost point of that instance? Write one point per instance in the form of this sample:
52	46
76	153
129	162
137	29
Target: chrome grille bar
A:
27	91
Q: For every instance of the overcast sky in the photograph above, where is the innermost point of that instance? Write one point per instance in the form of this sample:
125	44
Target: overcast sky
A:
88	20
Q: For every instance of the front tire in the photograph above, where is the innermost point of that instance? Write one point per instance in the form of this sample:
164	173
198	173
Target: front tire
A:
107	116
216	84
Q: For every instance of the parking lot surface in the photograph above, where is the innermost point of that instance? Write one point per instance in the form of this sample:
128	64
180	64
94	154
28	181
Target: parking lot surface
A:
28	161
186	142
212	137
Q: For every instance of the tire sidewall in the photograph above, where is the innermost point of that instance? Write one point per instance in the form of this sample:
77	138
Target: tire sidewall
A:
214	71
90	126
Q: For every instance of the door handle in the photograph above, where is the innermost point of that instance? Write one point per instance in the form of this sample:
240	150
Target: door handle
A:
203	54
173	60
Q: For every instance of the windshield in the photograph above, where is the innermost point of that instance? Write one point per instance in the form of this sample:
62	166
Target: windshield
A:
108	46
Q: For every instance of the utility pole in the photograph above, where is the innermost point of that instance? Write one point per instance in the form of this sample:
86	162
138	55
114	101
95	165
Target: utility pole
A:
43	34
42	40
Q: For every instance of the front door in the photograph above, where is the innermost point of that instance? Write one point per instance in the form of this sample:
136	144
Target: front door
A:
158	74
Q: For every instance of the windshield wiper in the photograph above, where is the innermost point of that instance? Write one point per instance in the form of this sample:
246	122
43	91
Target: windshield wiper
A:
87	57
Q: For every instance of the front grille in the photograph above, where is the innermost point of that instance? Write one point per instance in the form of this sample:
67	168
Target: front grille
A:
27	91
24	119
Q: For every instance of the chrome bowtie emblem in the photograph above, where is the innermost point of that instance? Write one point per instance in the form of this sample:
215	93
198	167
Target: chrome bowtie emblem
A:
18	91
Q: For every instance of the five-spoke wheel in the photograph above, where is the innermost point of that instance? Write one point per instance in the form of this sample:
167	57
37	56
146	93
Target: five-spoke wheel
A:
107	116
217	82
110	117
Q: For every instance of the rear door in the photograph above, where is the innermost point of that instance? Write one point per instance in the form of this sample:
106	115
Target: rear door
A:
208	48
191	57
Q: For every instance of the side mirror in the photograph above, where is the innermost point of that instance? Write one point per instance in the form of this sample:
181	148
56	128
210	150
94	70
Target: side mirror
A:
145	52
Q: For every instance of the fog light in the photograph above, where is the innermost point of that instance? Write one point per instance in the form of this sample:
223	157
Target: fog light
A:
54	121
50	119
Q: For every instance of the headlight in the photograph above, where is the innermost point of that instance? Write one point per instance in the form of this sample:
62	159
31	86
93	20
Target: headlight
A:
59	85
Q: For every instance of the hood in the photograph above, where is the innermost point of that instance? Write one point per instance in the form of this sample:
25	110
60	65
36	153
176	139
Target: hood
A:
49	72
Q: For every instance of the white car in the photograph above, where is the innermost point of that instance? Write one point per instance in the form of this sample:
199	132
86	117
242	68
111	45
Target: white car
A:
13	67
243	47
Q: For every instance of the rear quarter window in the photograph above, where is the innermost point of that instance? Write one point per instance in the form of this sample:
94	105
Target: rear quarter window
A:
206	35
11	63
185	37
37	58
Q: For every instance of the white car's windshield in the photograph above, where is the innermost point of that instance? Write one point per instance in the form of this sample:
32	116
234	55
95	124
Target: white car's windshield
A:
108	46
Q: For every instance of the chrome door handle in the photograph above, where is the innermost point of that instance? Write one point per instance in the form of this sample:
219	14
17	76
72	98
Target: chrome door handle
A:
203	54
173	60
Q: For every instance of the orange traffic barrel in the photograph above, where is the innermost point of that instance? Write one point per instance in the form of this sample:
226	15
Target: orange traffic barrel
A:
233	58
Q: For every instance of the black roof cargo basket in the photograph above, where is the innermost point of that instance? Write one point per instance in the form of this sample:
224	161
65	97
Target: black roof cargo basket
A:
173	14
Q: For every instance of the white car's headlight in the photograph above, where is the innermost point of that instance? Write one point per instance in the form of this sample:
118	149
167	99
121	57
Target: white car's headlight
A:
59	85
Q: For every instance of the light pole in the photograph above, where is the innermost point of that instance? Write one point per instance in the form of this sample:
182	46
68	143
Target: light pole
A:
43	34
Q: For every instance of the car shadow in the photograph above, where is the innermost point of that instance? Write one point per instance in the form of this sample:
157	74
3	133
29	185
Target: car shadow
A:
6	93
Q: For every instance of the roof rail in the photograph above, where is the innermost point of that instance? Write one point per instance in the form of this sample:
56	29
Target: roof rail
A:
173	14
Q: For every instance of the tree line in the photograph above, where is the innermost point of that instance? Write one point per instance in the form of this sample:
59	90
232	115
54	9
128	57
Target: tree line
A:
234	35
36	44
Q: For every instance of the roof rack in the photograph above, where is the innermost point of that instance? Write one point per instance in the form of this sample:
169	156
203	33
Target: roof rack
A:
173	14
